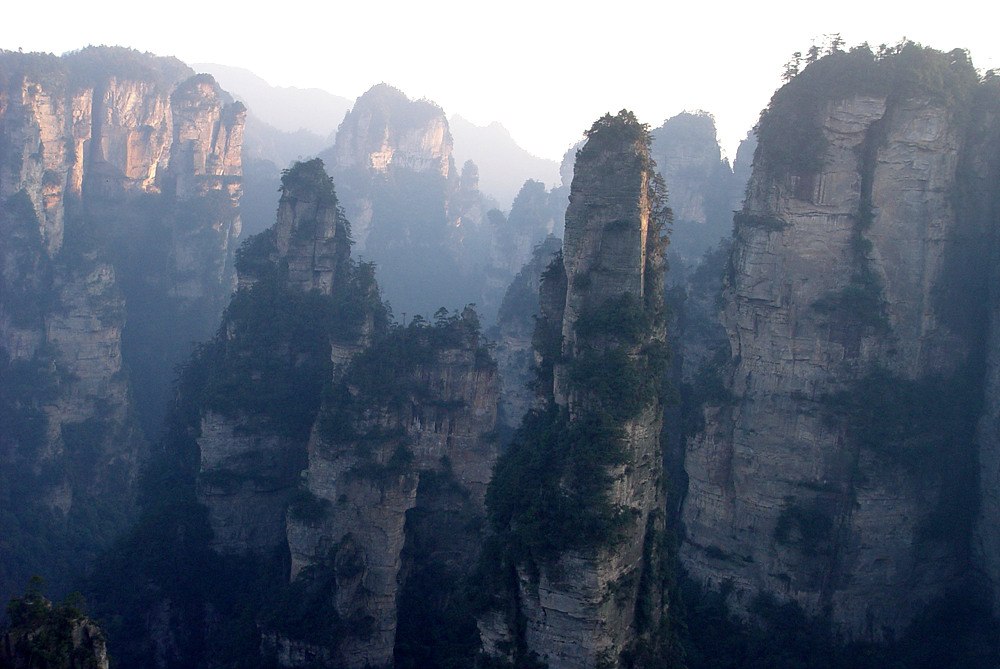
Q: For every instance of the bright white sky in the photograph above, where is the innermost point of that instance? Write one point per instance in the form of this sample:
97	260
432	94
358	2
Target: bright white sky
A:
546	69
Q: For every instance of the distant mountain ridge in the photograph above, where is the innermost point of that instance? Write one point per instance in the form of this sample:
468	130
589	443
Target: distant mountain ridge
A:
503	165
285	107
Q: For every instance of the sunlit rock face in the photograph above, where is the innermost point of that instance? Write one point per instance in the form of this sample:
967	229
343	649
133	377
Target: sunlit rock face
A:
854	289
119	184
426	225
383	133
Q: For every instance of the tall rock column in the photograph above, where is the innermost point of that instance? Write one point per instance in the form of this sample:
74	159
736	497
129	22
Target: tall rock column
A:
838	476
576	502
277	342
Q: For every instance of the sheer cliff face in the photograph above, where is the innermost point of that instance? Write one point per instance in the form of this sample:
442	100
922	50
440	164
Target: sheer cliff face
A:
577	595
380	455
363	453
985	164
312	237
75	119
250	460
811	485
88	143
385	129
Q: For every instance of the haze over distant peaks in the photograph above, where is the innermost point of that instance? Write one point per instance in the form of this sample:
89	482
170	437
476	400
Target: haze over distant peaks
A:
503	165
285	107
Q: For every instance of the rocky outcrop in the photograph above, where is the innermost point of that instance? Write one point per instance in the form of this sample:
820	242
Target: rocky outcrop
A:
582	592
40	634
383	452
250	459
119	181
700	183
823	480
361	452
385	128
384	132
421	221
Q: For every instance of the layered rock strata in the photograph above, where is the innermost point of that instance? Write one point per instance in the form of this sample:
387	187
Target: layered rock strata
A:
118	171
824	481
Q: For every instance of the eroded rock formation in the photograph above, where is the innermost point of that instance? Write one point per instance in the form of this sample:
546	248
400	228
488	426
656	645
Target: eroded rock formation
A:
838	474
702	187
362	452
577	500
119	183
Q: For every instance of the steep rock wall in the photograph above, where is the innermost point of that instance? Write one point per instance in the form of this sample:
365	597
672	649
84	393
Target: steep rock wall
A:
250	459
983	163
418	218
834	308
85	175
373	459
581	591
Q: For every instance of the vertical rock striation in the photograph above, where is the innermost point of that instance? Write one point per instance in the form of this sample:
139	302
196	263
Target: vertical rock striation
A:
403	431
91	148
326	437
983	173
277	344
838	475
576	502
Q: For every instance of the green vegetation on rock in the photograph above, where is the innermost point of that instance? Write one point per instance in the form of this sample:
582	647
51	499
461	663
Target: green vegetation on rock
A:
790	139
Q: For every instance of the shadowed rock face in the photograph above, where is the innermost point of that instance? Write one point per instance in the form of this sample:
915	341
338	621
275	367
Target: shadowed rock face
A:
983	163
119	184
395	458
40	633
810	485
514	353
248	462
577	603
385	468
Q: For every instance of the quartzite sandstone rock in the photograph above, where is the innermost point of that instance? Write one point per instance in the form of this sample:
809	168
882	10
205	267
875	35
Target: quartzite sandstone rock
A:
783	499
87	142
578	608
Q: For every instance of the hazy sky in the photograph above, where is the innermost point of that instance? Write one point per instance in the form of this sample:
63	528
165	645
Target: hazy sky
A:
545	69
